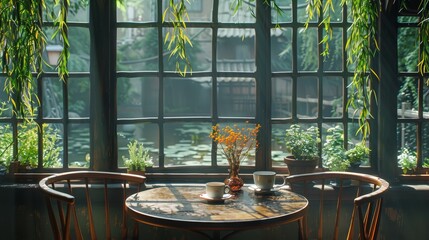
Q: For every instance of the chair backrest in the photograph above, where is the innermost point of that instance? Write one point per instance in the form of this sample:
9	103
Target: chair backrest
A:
343	205
82	202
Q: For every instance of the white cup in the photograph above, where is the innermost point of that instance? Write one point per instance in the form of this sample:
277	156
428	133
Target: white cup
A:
265	180
216	190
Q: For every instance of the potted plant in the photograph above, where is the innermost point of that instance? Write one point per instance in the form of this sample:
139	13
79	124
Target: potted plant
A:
334	154
407	161
358	154
303	145
139	158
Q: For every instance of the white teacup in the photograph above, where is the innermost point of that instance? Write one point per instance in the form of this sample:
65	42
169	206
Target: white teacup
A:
265	180
216	190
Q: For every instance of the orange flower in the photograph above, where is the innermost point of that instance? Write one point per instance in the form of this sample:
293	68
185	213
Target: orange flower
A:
235	142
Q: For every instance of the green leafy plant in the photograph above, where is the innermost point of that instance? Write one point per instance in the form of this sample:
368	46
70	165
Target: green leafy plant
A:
28	135
334	154
407	160
358	154
302	144
139	158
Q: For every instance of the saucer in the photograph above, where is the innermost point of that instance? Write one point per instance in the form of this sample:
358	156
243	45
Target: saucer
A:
265	191
215	200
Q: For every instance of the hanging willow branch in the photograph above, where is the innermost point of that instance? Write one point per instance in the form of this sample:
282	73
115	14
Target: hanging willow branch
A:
176	39
423	65
22	42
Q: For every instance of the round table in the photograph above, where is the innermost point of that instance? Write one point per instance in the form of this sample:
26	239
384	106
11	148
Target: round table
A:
182	207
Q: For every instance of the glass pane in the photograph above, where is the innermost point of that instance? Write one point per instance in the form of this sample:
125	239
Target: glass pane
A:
332	97
52	146
236	50
353	128
5	105
236	97
137	97
408	98
79	49
425	99
78	144
137	11
145	133
307	97
285	15
199	10
79	97
187	96
78	11
278	151
6	141
408	49
406	133
334	61
200	54
137	49
52	100
408	19
308	57
281	92
425	144
187	144
281	49
301	12
245	13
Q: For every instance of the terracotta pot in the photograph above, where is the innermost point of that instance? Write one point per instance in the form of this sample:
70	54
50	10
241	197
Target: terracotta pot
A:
300	166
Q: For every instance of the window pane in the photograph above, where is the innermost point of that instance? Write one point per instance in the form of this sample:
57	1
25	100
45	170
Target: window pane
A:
52	98
236	50
332	97
281	49
137	97
236	97
78	11
145	133
200	54
408	98
278	151
187	97
78	143
79	49
187	144
6	140
281	92
137	49
334	61
6	107
308	57
407	136
52	146
425	99
286	15
79	97
302	14
243	15
425	144
199	10
137	11
408	49
308	97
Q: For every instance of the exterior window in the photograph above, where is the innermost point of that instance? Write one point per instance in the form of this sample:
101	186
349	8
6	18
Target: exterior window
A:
267	69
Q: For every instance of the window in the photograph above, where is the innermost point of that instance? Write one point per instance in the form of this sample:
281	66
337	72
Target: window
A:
266	69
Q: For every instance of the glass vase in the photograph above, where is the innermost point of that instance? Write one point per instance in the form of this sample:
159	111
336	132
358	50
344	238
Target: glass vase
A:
234	181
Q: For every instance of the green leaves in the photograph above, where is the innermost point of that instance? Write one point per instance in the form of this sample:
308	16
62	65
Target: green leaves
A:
22	42
176	39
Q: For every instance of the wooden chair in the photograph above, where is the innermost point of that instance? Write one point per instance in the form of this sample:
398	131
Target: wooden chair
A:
350	209
81	203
